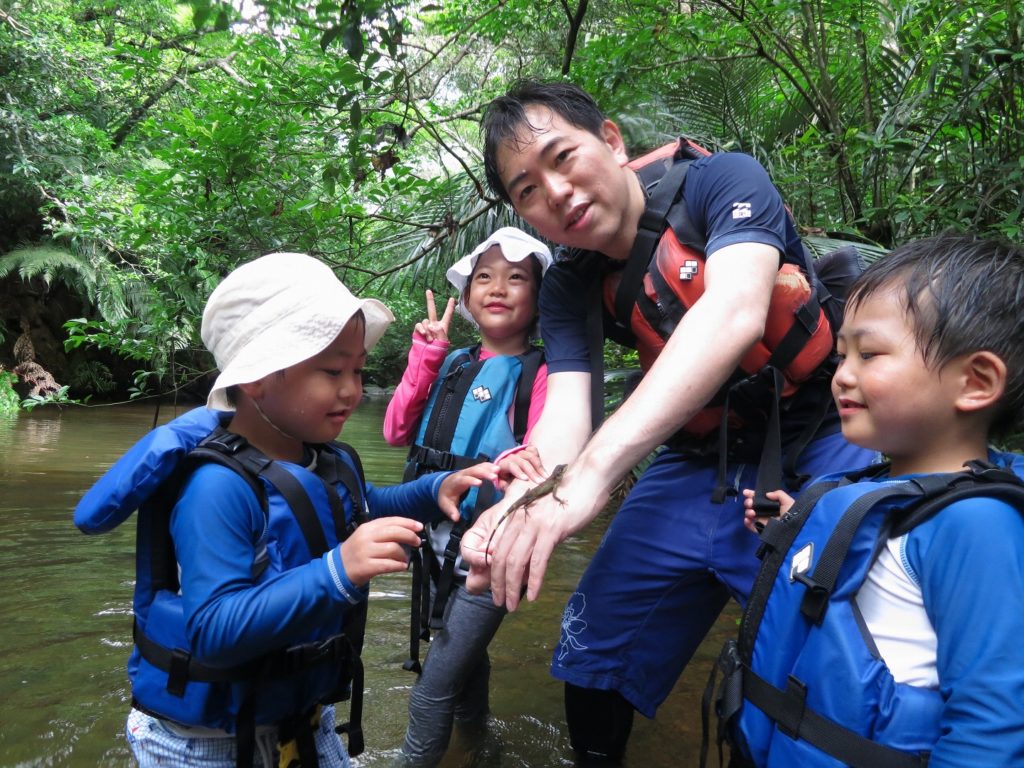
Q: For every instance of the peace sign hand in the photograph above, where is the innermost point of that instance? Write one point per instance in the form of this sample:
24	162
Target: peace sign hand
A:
432	329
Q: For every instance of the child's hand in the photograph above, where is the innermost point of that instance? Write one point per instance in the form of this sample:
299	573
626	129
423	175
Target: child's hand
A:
376	547
432	329
755	523
457	483
522	464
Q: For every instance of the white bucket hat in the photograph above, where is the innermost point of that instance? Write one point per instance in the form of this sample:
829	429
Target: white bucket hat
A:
275	312
515	246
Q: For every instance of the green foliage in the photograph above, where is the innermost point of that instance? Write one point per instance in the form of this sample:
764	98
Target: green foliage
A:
151	147
9	400
91	376
58	398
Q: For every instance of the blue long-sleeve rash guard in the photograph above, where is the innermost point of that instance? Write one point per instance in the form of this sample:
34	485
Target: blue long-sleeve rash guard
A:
218	526
969	563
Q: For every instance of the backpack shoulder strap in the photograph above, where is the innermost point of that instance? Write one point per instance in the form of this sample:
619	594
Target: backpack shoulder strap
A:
984	479
649	231
531	361
927	495
454	385
234	451
331	468
211	449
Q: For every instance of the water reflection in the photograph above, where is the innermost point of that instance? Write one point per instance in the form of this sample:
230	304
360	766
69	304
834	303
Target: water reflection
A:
66	607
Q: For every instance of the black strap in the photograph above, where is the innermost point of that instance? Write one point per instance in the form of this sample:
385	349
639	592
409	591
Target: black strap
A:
769	470
355	631
246	730
446	577
985	480
776	539
822	582
354	726
928	495
530	362
649	231
595	351
418	559
301	506
788	709
820	389
453	388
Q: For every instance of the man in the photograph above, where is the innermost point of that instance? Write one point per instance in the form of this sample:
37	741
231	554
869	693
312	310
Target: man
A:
677	549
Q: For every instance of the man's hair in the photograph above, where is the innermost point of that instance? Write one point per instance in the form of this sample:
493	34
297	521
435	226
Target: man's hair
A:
962	294
506	115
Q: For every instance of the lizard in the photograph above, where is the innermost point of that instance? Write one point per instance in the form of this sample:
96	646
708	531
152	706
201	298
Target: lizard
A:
544	488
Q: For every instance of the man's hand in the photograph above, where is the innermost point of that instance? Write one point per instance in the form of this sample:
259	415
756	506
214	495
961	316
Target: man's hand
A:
506	551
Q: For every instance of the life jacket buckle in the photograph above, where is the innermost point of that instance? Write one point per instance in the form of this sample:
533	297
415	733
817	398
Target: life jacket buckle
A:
815	600
177	673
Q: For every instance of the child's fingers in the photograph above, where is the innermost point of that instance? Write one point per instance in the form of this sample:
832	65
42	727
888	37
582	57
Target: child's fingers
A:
393	530
446	318
431	309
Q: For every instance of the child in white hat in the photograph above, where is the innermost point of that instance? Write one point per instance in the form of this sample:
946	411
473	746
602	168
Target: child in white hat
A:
255	554
456	409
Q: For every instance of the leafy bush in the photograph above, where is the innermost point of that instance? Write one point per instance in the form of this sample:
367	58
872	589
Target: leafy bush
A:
9	400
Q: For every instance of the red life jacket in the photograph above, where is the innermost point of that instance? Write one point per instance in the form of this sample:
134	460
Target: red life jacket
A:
674	280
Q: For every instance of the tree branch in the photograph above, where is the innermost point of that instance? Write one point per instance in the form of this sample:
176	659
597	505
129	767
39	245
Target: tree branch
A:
575	22
139	111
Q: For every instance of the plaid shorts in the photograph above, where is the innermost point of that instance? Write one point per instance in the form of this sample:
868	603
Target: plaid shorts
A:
157	742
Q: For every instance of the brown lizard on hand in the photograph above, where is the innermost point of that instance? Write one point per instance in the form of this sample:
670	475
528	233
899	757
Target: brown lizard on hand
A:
544	488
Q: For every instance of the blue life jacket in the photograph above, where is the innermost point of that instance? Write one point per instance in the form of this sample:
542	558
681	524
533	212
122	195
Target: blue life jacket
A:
307	514
464	423
804	684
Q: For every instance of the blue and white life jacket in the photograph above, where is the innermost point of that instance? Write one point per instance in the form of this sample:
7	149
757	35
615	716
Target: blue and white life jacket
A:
307	514
465	422
804	684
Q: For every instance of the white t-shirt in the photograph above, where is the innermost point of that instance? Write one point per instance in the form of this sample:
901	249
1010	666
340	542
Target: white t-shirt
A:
892	605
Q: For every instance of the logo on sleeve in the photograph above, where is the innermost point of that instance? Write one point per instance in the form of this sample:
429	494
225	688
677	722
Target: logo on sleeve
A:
741	210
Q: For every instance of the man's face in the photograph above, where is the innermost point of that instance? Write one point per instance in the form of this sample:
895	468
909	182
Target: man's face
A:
570	185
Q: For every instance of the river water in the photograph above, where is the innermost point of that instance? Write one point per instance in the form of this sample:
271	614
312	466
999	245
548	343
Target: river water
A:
65	618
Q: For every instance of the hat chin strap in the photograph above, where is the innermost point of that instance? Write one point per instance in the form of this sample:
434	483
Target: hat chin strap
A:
272	424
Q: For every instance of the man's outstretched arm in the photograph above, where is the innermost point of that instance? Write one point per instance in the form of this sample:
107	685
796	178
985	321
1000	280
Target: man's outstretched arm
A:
702	352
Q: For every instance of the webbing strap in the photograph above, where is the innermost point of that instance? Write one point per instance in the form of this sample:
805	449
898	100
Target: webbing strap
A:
649	232
821	584
769	470
452	390
301	506
530	362
776	539
789	710
446	578
595	351
421	560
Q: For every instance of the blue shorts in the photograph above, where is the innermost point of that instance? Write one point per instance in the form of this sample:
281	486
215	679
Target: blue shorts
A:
666	567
